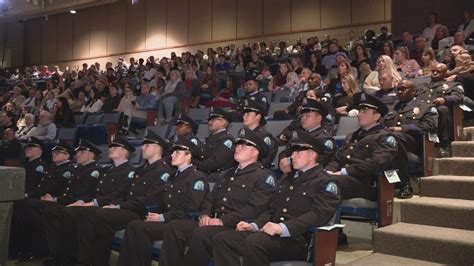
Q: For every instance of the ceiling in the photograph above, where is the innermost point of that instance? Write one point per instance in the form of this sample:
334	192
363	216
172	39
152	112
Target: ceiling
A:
12	10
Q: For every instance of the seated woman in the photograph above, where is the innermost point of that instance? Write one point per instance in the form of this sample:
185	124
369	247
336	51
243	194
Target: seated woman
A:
223	98
172	96
191	85
335	84
345	103
429	61
202	95
94	104
125	107
63	115
408	67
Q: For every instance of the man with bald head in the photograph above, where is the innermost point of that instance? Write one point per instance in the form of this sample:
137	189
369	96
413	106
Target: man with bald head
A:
444	95
46	129
409	120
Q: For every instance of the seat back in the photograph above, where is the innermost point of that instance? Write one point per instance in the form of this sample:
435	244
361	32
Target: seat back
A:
94	119
347	124
103	158
234	128
68	135
203	132
280	94
275	127
159	130
79	119
276	106
199	114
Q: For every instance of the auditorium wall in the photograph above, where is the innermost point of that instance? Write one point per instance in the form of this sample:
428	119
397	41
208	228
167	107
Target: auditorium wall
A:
155	27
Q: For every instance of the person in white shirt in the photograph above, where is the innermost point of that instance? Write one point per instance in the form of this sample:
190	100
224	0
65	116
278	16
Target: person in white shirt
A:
46	130
468	24
94	104
25	132
430	31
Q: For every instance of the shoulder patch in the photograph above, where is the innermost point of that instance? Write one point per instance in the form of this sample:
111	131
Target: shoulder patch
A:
164	177
329	117
67	174
193	140
264	99
328	143
433	110
131	174
39	169
268	141
228	143
391	140
199	185
331	187
270	180
95	174
252	98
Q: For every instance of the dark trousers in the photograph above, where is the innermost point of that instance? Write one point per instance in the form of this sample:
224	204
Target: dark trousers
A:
255	248
60	225
138	242
352	187
200	248
445	125
175	240
27	228
96	232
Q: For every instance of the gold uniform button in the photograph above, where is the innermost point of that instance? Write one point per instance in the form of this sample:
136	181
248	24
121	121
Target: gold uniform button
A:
224	199
169	205
400	115
243	186
291	187
169	196
171	186
98	189
144	183
282	219
399	123
100	182
351	148
112	180
355	141
366	146
131	193
348	156
304	193
64	195
232	179
288	199
285	210
228	189
67	188
105	174
133	184
222	208
179	191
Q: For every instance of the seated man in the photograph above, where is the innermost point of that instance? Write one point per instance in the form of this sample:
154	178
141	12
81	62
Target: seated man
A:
182	197
46	129
219	147
252	93
61	223
366	152
96	229
409	120
10	147
444	95
307	197
244	193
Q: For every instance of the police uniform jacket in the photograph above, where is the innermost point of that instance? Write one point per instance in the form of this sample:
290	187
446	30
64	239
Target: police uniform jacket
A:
255	96
184	194
388	97
54	180
303	200
452	92
271	143
219	152
114	184
365	153
241	195
34	171
414	117
81	184
330	147
146	186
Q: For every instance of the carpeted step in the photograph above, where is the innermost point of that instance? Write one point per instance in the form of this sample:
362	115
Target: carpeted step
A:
452	213
424	242
462	148
453	166
377	259
445	186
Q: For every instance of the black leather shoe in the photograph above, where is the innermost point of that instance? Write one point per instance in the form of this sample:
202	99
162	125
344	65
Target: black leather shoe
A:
406	192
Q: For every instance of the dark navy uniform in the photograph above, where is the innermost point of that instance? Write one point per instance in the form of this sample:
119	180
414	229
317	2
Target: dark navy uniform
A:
61	223
388	97
254	96
27	228
181	199
219	147
34	171
82	184
97	229
272	144
364	155
330	147
304	200
242	194
453	93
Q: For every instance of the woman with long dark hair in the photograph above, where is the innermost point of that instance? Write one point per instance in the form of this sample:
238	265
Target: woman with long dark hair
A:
63	115
94	104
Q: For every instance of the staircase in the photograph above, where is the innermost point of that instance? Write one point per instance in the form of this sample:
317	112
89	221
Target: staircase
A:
437	227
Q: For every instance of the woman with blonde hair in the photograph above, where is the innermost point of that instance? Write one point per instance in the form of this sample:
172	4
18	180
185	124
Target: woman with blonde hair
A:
385	62
429	61
408	67
344	104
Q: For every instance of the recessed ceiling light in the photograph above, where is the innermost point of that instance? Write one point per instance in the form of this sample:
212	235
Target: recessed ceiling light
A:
73	11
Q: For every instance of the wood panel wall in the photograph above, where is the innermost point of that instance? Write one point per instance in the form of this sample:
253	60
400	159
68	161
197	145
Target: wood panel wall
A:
122	28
